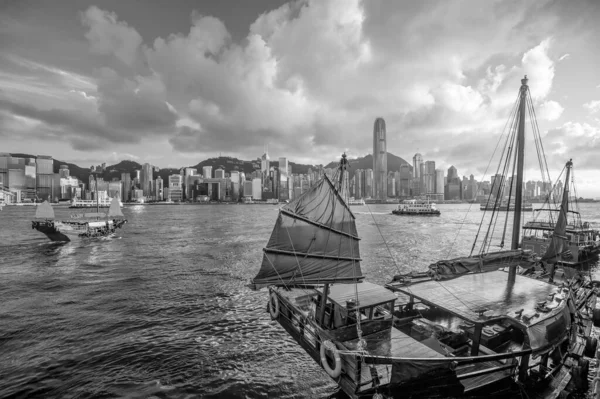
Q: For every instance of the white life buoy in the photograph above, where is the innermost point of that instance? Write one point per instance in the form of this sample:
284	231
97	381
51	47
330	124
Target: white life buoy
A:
274	306
337	370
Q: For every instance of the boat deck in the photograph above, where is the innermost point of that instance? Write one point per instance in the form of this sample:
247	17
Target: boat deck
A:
495	296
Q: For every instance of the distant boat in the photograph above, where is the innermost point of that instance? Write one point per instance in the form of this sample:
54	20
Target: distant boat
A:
101	203
81	226
416	208
353	201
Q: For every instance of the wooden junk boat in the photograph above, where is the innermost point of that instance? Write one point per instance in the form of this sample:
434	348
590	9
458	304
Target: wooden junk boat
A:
575	242
80	226
463	329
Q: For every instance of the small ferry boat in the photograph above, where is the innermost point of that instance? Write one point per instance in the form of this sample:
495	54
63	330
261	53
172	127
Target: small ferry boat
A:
417	208
101	203
353	201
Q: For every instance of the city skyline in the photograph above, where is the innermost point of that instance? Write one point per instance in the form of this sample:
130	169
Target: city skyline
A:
96	81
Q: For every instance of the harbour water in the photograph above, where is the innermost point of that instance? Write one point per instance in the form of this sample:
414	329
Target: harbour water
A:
162	310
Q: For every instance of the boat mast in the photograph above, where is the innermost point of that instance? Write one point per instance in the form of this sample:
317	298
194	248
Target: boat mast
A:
519	188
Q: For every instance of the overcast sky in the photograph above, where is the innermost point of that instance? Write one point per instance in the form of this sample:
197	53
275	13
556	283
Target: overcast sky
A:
175	82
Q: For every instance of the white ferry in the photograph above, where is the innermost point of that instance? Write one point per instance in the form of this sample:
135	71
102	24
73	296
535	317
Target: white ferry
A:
414	207
102	203
352	201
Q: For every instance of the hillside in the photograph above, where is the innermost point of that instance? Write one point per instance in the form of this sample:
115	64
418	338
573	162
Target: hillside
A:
366	162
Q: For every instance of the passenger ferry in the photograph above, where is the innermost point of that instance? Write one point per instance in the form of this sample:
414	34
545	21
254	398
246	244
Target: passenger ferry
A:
102	203
352	201
414	207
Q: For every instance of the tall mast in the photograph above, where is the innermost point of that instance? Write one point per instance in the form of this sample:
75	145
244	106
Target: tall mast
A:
519	188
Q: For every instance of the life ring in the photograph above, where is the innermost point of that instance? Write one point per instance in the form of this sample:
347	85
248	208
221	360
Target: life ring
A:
274	306
337	370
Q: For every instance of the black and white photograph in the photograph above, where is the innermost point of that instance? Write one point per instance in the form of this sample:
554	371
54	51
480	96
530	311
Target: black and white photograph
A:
302	199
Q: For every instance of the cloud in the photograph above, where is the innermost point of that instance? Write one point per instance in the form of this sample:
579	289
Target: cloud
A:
592	106
580	141
109	36
550	110
309	79
564	57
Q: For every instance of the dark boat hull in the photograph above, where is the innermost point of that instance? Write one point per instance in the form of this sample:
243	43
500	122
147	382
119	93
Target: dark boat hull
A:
72	231
405	213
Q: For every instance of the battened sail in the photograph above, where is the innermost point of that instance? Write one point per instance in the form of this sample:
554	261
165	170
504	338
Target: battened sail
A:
314	241
559	240
115	209
44	211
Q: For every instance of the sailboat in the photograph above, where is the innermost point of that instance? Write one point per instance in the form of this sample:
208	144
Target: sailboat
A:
567	240
80	226
480	306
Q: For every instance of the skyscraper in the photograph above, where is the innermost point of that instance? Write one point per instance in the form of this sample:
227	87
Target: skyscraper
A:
283	179
417	161
379	160
146	178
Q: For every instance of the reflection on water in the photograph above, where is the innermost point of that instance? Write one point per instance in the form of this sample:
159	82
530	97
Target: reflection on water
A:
163	309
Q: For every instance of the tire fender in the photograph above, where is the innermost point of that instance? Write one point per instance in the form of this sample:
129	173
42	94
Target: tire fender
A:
274	306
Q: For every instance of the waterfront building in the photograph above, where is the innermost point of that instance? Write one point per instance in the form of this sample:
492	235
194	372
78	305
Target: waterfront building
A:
380	175
126	189
235	185
46	187
256	189
247	191
405	180
283	184
63	171
207	172
4	170
158	189
138	195
452	174
69	186
146	178
428	177
417	161
175	188
369	189
439	181
391	185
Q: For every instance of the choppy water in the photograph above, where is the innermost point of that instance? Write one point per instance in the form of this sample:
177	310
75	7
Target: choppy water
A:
163	310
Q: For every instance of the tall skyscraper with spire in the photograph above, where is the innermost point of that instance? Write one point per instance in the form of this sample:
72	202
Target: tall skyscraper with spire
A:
379	160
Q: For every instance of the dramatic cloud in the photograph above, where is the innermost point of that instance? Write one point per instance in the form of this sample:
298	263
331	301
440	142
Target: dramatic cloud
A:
309	79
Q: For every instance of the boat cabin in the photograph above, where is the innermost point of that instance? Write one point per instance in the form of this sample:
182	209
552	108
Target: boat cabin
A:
488	313
374	308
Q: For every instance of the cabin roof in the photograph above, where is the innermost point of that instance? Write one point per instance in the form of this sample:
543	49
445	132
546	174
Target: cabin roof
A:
488	292
369	294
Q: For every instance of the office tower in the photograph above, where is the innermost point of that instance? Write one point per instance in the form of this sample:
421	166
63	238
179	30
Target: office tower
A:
158	188
439	181
175	187
369	189
265	168
248	188
358	183
256	189
207	172
417	161
235	185
452	174
379	160
283	188
126	190
146	179
405	180
428	177
44	170
63	172
219	174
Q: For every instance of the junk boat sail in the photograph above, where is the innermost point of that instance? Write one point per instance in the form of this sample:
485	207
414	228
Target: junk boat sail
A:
500	329
566	238
97	224
416	208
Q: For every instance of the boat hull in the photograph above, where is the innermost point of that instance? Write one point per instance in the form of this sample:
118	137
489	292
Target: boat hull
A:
410	213
65	231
